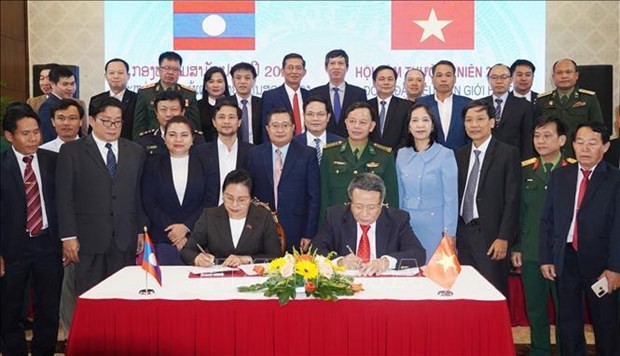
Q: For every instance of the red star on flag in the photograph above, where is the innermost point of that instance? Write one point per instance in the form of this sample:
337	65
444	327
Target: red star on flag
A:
433	24
444	267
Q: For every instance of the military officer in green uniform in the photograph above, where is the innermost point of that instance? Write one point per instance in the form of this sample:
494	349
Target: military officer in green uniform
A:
169	72
549	137
168	104
567	102
343	160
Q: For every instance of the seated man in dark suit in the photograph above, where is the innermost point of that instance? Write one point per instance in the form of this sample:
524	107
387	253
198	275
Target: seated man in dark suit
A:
117	76
29	245
316	116
580	242
338	94
167	104
382	237
227	153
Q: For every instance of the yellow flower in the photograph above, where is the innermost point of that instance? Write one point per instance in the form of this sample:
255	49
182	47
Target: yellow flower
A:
276	264
306	269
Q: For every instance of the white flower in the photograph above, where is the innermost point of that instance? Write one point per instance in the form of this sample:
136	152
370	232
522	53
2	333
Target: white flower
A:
325	267
287	269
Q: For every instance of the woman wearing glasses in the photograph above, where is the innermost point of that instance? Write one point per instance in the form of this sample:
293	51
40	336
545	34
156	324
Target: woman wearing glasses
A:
215	86
427	181
236	232
173	191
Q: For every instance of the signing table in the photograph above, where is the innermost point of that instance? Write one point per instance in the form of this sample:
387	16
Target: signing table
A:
207	316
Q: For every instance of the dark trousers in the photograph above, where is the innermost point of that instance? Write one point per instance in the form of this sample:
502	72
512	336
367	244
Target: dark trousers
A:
537	290
44	268
95	267
168	255
472	250
603	311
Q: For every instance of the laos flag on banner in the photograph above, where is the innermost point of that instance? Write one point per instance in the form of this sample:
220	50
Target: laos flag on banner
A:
214	25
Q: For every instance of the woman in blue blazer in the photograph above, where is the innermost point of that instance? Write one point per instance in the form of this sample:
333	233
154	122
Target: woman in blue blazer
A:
427	181
174	191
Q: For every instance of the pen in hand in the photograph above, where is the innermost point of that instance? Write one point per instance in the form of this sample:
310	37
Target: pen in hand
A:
350	250
205	252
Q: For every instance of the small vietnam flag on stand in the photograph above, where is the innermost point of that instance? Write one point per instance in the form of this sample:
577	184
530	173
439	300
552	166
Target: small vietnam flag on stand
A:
149	264
444	267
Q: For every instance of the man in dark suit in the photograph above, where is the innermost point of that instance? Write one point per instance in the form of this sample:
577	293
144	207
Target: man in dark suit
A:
446	106
336	66
316	116
580	241
382	236
243	77
99	200
226	153
286	176
613	153
29	244
289	95
392	124
489	189
522	73
513	116
117	75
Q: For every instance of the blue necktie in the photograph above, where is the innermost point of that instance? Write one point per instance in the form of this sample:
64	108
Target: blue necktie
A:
317	147
382	117
337	107
245	130
110	160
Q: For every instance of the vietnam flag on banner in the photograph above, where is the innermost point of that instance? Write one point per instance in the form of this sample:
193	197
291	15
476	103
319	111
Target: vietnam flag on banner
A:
443	267
214	25
433	24
149	260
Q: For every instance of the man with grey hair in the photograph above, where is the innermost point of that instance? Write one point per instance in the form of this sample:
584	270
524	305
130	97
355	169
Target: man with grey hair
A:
365	234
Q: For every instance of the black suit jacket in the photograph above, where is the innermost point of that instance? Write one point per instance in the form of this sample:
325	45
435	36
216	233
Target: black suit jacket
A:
96	208
352	94
129	105
278	98
159	197
613	153
394	236
598	220
396	127
13	235
257	107
208	153
515	125
212	231
498	190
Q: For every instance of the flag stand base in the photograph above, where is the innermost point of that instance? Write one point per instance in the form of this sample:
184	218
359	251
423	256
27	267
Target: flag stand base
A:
445	293
146	291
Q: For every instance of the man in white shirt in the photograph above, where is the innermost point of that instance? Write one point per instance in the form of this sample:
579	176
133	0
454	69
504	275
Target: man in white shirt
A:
522	73
353	231
66	118
316	117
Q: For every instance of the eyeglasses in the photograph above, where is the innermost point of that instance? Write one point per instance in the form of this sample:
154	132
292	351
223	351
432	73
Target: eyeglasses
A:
170	69
500	77
109	123
283	126
371	208
316	114
240	201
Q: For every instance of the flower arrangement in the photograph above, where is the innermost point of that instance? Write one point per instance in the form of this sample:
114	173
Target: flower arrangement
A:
316	274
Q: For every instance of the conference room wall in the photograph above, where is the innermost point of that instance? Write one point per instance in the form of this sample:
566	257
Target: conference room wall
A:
72	32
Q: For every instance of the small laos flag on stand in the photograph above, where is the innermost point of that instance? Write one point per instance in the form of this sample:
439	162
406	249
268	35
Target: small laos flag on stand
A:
149	260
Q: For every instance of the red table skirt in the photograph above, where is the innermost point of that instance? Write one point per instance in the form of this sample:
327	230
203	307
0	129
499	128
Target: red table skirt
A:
304	327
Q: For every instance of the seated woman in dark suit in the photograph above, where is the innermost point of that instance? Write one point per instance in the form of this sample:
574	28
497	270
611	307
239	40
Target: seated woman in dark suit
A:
173	191
236	231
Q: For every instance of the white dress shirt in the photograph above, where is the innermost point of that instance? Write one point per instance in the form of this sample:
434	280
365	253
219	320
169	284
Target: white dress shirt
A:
104	151
472	158
37	173
372	240
300	101
310	140
55	144
180	172
118	95
571	230
341	89
445	113
236	228
527	96
227	162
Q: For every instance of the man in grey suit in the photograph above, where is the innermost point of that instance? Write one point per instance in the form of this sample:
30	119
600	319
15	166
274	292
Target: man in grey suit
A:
99	206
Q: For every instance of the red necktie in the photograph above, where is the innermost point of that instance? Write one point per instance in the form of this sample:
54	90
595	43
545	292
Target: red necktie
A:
363	250
34	218
582	191
296	114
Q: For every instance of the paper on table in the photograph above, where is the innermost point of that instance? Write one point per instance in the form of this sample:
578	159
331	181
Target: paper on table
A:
407	272
211	270
249	269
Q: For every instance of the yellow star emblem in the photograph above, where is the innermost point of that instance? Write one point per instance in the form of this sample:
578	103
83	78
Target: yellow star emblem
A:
447	261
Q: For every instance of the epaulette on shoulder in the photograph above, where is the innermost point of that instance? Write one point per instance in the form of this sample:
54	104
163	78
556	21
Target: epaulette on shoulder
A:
528	162
187	88
333	144
147	132
150	85
586	91
571	160
545	94
382	148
